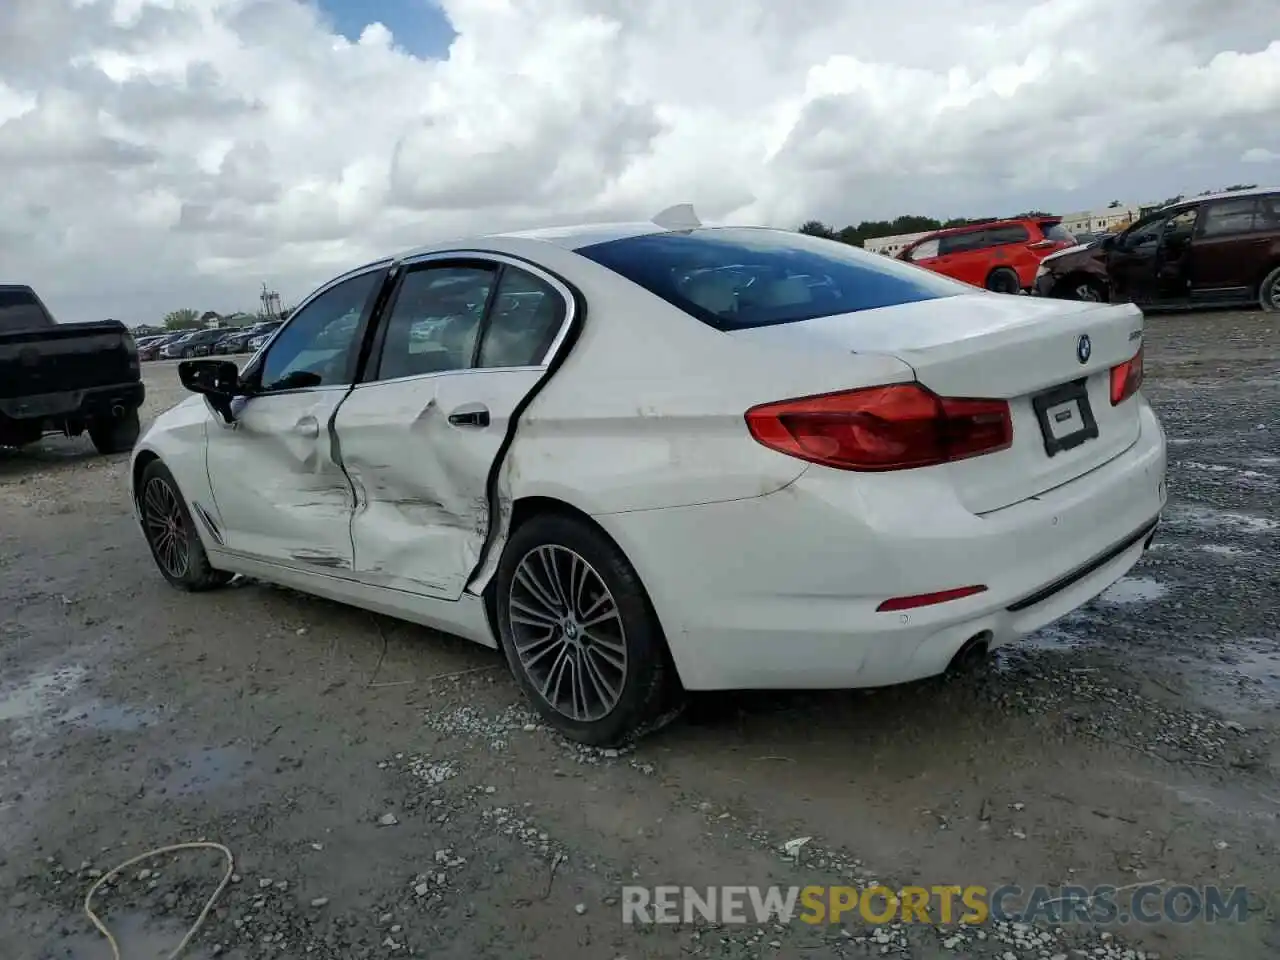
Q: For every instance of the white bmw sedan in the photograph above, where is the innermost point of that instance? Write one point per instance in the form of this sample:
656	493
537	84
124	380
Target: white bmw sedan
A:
644	458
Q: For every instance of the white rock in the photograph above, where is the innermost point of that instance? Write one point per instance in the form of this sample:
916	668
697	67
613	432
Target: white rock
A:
320	902
580	909
388	820
792	847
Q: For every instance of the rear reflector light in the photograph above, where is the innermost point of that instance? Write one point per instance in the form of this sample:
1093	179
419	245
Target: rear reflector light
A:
897	427
928	599
1126	379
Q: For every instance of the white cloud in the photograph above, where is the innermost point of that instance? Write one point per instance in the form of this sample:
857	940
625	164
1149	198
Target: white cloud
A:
165	154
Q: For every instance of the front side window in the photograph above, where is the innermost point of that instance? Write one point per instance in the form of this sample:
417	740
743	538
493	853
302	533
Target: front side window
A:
925	250
734	278
962	242
1143	233
314	348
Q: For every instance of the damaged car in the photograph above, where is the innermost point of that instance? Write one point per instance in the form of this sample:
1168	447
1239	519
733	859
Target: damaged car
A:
650	458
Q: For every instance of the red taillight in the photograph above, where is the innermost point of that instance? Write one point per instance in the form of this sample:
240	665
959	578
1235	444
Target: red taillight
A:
929	599
1126	379
896	427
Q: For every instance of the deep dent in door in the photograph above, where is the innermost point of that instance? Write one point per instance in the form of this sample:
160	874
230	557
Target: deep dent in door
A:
435	494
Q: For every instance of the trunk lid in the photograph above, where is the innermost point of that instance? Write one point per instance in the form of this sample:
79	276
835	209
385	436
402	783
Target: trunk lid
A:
1028	351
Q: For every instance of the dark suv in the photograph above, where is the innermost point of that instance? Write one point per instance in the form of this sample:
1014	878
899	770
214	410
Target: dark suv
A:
1207	251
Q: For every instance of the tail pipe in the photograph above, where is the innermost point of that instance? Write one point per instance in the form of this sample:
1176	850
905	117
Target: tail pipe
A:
972	653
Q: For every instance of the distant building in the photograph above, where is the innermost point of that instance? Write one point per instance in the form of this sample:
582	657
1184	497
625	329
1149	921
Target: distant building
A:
892	246
1105	220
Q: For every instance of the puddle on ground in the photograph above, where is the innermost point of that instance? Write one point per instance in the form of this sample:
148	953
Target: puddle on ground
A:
139	936
1243	679
37	694
198	771
1226	550
1206	518
1133	590
113	717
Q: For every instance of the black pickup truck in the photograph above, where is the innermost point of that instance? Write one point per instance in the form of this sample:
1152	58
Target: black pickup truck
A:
65	377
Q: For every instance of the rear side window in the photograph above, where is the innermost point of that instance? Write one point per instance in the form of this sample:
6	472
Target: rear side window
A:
20	310
738	278
1228	217
1057	232
1013	233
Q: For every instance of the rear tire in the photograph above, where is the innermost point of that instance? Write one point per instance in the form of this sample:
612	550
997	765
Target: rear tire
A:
115	434
171	533
1003	280
1269	292
579	632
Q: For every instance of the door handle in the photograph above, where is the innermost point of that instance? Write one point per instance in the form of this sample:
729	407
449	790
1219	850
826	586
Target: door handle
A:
308	427
470	415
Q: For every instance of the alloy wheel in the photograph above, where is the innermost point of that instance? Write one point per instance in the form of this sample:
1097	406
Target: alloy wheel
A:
1274	294
567	633
1086	291
166	527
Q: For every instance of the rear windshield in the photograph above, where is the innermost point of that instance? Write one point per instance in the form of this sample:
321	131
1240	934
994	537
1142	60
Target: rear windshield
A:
20	310
1056	231
734	278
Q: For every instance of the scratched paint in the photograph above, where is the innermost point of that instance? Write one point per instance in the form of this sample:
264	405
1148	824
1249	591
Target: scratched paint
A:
422	515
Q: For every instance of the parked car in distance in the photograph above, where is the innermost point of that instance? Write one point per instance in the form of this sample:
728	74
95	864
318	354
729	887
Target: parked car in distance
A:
152	349
1221	250
802	465
1002	255
193	344
65	378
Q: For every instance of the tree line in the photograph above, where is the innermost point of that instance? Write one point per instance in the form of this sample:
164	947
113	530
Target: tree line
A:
189	319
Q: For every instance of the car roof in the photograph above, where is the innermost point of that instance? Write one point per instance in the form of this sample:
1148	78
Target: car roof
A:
1007	222
1227	195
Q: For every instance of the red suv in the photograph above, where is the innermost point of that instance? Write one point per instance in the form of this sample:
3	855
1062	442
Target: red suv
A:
1002	256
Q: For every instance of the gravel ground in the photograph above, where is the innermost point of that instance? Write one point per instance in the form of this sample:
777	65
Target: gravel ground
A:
386	793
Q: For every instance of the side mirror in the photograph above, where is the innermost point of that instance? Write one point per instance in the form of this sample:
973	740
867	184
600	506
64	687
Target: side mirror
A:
217	380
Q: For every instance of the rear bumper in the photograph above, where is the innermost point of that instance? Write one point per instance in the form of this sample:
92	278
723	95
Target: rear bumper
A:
781	591
74	404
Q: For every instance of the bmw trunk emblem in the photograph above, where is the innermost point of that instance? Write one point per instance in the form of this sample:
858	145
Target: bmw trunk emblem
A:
1084	348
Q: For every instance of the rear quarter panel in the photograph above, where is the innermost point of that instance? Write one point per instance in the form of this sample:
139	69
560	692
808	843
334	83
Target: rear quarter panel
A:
647	411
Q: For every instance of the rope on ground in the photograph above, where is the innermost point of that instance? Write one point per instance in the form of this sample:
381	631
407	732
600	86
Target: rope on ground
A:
204	914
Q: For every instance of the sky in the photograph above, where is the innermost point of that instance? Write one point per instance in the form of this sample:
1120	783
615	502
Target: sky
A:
163	154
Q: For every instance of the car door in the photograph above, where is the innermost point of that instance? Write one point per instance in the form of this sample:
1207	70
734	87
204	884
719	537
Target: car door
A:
923	254
279	489
1232	246
461	345
1008	246
1131	261
963	256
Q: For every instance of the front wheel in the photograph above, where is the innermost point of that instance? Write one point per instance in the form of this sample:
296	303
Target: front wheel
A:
171	533
1269	292
115	434
579	632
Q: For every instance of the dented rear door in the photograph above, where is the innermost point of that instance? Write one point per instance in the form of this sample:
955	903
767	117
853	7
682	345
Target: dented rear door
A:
464	344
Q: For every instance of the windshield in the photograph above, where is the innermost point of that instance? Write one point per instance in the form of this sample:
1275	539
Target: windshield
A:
734	278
